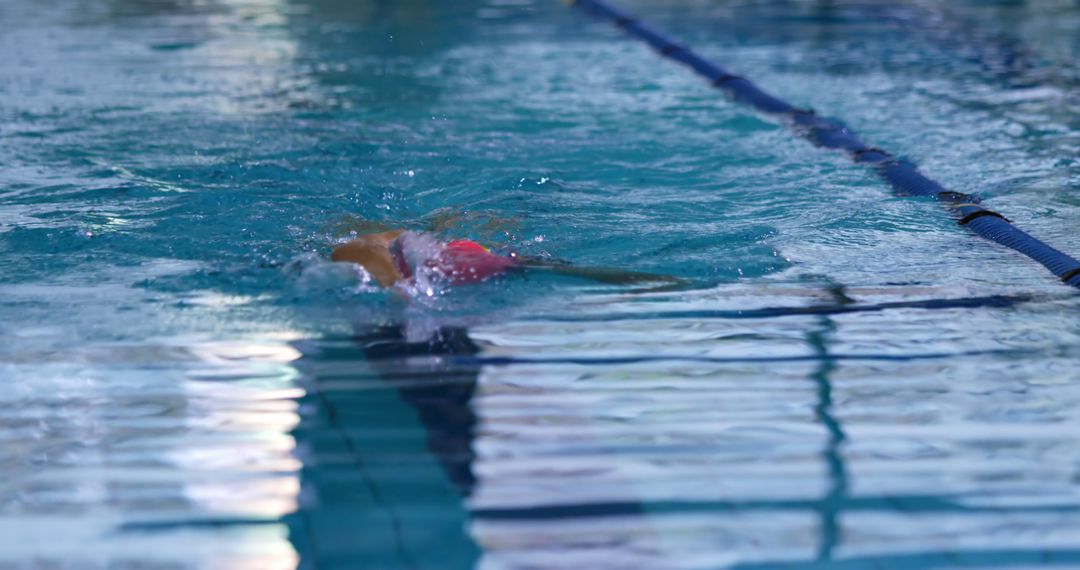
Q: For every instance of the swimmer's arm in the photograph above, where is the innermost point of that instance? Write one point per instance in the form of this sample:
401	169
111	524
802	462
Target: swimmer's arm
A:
609	275
372	252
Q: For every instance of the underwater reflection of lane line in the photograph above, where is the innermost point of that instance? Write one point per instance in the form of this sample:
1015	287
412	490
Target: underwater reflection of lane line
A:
386	439
832	503
990	301
1002	56
884	357
1005	57
902	503
829	509
442	400
980	558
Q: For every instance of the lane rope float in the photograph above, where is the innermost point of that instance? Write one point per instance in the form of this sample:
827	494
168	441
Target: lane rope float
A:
904	178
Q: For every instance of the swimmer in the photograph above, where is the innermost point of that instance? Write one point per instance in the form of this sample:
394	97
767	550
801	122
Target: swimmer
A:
393	257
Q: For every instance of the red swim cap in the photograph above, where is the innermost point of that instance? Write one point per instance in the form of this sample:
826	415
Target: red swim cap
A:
467	245
465	261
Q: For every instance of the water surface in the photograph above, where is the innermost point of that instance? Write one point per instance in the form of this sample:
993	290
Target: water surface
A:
851	379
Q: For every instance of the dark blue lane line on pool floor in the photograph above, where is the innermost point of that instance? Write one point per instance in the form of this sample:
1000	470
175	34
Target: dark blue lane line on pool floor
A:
617	360
904	178
910	504
981	558
991	301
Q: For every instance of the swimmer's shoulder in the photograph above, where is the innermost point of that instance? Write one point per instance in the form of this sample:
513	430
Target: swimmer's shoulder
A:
367	241
372	251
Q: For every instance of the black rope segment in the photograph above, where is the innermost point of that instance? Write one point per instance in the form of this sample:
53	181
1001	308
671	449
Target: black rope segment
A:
719	81
904	178
978	214
870	151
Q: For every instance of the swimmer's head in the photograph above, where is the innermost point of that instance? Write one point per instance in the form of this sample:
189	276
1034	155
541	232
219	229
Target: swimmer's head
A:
401	256
465	261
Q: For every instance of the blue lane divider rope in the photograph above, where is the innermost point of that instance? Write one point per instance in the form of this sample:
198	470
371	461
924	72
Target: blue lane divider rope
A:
901	175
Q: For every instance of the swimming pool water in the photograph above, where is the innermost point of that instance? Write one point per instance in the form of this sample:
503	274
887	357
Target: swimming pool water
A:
852	380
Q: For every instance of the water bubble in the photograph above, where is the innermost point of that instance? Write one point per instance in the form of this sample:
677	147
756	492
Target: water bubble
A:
316	276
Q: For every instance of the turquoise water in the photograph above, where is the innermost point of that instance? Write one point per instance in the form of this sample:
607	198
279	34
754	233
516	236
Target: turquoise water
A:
850	380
